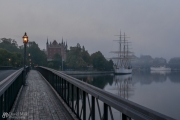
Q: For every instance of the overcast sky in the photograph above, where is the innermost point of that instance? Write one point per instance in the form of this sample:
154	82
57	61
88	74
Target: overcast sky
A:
152	25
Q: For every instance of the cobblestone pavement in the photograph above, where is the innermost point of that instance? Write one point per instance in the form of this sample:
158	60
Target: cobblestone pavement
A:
38	102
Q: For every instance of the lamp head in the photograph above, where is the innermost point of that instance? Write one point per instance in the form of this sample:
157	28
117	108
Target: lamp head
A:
25	38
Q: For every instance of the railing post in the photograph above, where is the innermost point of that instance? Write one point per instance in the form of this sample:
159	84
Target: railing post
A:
84	105
93	108
62	88
53	79
55	82
58	85
65	91
72	99
125	117
105	116
1	103
68	94
61	85
77	101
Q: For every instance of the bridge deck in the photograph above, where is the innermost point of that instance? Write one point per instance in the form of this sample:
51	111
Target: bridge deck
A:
38	101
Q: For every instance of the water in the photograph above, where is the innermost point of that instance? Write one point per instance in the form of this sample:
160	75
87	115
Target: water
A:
159	91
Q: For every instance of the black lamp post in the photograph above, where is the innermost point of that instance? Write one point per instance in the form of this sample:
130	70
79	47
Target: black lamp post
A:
25	41
29	56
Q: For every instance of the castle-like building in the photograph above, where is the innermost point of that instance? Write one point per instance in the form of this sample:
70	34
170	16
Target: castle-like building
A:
54	47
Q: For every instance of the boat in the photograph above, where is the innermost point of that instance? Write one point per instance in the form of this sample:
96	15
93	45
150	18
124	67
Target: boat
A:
122	63
161	68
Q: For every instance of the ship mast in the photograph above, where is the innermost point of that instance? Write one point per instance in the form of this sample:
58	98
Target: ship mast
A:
124	55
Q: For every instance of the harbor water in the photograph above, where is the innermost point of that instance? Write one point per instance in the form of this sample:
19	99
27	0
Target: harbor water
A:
159	91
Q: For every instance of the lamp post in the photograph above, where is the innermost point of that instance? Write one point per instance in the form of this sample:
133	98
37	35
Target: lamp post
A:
25	41
62	64
29	55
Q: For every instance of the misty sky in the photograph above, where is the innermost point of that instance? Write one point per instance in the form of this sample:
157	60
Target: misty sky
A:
153	26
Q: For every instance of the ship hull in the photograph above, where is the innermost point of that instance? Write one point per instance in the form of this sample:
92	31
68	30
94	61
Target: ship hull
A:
122	71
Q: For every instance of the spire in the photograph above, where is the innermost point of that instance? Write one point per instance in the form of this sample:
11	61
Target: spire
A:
47	41
62	40
66	45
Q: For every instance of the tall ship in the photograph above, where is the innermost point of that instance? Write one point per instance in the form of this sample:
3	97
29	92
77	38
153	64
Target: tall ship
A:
122	61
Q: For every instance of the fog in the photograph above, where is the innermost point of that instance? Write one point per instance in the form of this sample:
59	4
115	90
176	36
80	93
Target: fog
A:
153	26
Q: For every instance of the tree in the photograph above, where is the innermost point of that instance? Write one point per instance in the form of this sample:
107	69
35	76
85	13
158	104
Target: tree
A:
50	65
86	57
57	61
77	59
10	58
37	56
174	63
98	60
9	45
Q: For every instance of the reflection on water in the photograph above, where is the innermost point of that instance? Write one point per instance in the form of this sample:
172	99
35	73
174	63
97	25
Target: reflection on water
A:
99	81
123	85
160	72
158	91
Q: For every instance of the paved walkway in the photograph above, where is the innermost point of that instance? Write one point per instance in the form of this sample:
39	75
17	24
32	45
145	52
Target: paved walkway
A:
38	102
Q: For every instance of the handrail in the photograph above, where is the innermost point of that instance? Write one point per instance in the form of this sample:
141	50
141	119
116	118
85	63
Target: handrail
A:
130	109
9	88
9	80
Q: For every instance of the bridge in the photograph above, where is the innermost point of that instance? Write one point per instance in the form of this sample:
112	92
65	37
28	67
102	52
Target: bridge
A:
53	95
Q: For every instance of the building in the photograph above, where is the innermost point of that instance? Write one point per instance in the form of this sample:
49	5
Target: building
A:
54	47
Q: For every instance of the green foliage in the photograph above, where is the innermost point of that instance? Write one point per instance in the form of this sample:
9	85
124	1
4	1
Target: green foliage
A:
78	58
57	57
98	60
57	61
10	58
9	45
37	56
50	65
100	63
174	63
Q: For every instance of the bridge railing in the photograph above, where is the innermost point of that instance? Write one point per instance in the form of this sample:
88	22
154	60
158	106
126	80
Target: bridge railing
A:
89	102
9	88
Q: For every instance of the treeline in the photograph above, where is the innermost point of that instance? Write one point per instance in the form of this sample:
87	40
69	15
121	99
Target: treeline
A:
77	57
12	55
174	63
146	61
10	58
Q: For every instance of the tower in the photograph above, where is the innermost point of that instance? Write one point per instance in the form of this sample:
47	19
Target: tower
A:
55	48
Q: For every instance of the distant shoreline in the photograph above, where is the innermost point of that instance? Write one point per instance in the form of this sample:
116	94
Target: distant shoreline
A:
87	72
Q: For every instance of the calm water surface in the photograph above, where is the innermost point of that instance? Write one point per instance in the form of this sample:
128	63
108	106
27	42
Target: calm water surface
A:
159	91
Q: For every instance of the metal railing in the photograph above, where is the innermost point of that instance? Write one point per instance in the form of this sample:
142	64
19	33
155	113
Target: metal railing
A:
9	88
102	105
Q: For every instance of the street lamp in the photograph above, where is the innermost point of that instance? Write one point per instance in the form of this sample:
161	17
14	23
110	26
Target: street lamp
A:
25	41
